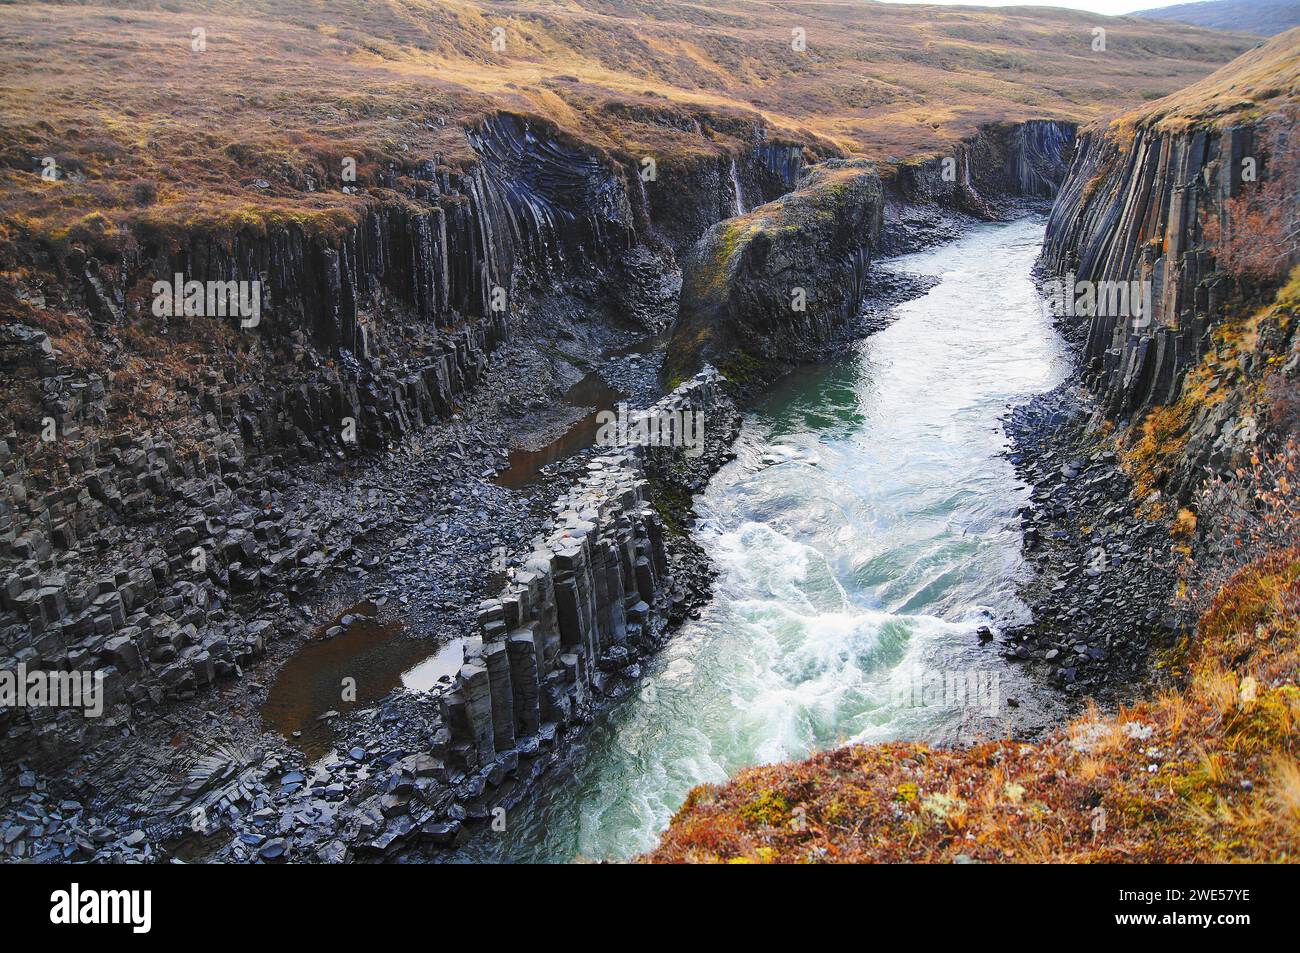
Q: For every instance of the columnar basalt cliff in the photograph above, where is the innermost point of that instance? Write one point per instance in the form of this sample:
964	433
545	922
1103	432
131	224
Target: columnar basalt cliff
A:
1144	226
1135	211
1001	169
1020	160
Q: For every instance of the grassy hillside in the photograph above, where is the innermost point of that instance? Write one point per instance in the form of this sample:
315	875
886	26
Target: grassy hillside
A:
1266	17
141	126
1257	81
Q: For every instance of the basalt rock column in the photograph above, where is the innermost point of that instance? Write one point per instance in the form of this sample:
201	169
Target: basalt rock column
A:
590	602
522	648
500	689
474	686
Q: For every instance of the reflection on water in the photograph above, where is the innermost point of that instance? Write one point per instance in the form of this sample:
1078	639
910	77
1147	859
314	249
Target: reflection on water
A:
525	466
375	654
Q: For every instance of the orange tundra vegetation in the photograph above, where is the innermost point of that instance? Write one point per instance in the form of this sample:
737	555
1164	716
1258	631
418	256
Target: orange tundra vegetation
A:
250	132
1258	233
1152	449
1206	772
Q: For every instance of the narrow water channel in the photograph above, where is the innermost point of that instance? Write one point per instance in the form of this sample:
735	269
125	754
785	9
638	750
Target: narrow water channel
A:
865	531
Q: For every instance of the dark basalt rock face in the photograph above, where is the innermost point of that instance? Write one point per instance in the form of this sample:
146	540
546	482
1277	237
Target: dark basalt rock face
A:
1134	211
1021	160
987	176
1038	157
775	285
720	186
535	207
551	198
380	321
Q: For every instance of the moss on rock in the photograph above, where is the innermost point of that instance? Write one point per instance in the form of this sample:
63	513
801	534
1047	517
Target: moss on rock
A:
774	285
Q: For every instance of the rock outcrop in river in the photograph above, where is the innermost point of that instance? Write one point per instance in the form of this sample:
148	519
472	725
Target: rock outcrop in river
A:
774	285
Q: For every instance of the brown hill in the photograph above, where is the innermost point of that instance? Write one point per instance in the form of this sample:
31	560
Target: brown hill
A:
146	126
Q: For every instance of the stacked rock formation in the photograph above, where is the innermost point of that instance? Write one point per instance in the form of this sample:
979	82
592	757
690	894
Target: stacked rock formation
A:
1135	212
587	605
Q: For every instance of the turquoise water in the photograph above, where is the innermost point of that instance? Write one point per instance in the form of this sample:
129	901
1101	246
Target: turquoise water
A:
865	530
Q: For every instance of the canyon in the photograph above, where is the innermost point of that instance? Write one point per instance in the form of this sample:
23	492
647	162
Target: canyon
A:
1151	470
189	504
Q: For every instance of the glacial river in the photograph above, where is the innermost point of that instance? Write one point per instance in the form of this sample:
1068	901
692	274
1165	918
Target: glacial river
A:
865	531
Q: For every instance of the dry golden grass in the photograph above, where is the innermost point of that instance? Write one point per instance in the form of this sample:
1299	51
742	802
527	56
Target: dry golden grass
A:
155	135
1265	75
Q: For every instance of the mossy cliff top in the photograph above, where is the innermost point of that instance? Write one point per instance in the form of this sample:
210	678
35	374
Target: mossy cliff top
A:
1208	772
753	280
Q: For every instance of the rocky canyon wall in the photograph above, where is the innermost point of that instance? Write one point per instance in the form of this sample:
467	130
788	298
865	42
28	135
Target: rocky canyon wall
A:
1142	217
778	284
123	541
1009	160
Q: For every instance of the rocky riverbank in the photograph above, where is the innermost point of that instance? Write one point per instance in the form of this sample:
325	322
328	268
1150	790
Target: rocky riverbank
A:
189	784
1165	400
1101	573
